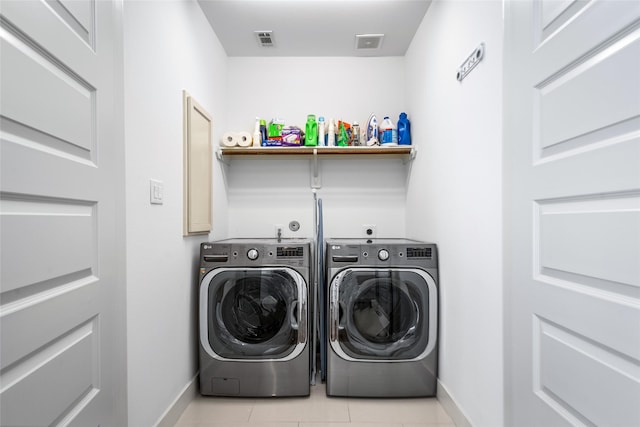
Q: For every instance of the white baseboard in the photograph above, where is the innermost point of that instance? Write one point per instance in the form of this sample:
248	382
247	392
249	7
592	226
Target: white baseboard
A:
451	407
175	410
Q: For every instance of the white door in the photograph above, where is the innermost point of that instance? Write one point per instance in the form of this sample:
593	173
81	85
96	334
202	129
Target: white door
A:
572	187
62	300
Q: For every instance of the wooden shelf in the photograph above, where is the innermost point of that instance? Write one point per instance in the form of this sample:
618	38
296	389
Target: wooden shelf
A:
317	151
406	153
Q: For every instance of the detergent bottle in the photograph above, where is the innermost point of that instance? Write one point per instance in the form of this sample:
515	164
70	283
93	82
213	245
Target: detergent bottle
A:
404	130
386	131
311	130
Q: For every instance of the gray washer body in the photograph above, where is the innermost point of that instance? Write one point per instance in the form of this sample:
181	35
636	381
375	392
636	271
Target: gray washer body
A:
382	318
255	312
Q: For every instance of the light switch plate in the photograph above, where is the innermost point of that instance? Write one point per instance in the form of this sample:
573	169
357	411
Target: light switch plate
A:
156	192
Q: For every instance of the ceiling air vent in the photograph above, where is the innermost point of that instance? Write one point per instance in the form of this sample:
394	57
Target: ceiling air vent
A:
368	41
265	38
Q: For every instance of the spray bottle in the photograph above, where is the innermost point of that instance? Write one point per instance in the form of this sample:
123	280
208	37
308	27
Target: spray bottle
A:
257	136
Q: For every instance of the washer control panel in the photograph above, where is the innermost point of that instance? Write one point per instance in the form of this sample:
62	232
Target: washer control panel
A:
380	252
253	254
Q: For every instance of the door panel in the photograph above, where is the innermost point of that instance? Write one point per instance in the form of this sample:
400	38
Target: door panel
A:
598	94
62	346
79	16
561	359
572	158
38	377
590	236
61	239
585	77
45	317
32	76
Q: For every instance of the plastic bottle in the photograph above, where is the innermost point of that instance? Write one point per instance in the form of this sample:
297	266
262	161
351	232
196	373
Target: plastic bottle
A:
257	136
404	130
386	131
321	131
311	131
356	134
263	131
331	136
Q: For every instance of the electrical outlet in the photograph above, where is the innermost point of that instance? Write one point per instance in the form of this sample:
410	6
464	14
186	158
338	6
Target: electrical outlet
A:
369	230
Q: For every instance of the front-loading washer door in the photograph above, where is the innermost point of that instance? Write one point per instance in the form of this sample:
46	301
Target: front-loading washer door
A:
383	314
253	313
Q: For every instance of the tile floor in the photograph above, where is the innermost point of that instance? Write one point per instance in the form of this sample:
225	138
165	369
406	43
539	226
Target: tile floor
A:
317	410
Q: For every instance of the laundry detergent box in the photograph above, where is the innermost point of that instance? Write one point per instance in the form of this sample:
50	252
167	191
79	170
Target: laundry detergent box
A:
291	135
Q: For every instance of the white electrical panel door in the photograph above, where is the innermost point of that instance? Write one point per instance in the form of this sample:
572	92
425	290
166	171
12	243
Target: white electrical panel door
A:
198	159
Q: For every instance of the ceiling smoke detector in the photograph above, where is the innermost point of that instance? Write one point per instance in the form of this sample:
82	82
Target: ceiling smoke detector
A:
368	41
265	38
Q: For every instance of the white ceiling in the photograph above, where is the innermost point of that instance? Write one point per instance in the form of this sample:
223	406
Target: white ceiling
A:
314	27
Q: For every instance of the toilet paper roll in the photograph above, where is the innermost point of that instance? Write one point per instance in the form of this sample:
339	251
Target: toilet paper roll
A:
244	139
229	139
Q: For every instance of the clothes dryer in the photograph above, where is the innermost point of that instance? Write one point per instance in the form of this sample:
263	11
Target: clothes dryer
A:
382	318
254	317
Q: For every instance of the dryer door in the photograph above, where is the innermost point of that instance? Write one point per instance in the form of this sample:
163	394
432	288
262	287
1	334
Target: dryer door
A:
383	314
253	314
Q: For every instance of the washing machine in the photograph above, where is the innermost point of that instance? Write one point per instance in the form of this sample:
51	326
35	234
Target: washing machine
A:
382	318
254	316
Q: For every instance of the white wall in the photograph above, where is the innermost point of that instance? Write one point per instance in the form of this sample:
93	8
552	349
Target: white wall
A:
455	197
169	46
265	192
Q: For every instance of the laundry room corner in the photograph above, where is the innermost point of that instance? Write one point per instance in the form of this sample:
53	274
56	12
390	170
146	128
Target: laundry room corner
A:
169	47
454	196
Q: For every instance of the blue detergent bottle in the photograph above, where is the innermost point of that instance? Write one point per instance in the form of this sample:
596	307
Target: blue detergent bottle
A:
404	130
